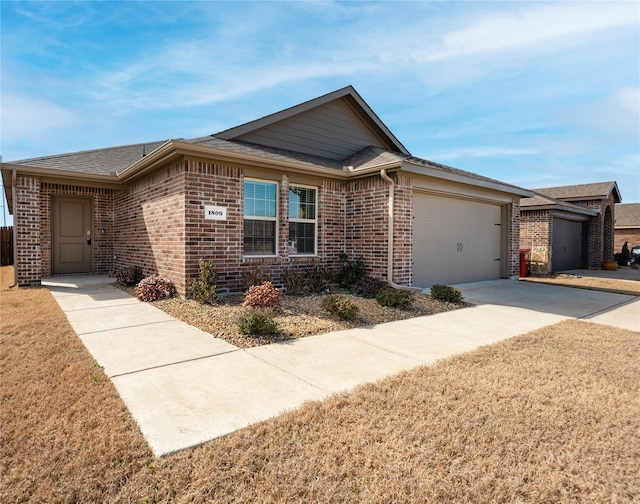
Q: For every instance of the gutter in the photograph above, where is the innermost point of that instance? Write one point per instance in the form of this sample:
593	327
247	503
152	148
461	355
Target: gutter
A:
14	198
390	241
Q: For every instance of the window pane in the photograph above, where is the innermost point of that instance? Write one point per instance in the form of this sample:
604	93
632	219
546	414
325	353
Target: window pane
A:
259	199
259	237
302	238
302	203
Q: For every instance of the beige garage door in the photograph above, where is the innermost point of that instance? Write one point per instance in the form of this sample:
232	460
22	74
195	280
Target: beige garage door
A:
455	240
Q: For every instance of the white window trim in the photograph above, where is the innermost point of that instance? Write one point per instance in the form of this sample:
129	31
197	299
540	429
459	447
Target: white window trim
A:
270	219
314	221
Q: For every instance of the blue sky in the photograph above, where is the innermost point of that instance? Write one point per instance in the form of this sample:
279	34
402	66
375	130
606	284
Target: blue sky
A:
536	94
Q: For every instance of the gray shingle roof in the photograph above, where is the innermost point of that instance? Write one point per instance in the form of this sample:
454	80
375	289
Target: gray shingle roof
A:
628	215
93	162
598	190
541	200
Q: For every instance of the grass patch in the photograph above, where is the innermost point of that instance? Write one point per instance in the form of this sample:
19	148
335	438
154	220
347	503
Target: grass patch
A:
629	287
551	416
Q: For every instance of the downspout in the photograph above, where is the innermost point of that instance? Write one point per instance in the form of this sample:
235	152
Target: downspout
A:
14	200
392	187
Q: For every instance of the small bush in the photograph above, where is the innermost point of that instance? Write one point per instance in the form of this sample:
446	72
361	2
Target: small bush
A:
294	279
262	296
341	306
257	322
300	280
350	271
155	288
395	298
368	287
203	290
127	275
446	293
256	276
317	278
624	256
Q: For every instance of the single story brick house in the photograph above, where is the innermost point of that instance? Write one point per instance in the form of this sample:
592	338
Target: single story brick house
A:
293	188
569	227
627	225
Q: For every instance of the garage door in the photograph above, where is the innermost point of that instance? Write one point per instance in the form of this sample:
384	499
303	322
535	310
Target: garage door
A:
455	240
567	245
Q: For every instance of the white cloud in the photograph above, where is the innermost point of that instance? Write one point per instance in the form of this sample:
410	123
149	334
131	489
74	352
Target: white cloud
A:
529	27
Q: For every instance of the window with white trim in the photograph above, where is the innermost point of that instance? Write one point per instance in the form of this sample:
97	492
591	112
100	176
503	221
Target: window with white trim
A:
260	218
302	220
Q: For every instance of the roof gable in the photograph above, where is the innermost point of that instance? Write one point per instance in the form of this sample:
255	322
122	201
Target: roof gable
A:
334	126
581	192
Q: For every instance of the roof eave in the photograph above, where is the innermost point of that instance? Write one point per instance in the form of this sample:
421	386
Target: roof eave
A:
463	179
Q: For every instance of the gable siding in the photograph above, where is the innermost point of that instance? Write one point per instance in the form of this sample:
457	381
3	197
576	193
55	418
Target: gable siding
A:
333	131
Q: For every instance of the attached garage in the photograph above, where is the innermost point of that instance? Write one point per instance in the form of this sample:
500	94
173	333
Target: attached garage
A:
455	240
567	248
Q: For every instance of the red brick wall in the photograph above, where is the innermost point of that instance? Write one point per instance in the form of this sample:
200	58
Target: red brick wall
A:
368	222
102	208
513	214
150	224
26	215
626	235
600	232
536	233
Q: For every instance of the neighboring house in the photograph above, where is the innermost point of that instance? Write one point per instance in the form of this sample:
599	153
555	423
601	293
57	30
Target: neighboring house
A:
294	188
569	227
627	225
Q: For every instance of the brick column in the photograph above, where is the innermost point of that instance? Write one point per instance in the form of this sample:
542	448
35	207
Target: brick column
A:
28	255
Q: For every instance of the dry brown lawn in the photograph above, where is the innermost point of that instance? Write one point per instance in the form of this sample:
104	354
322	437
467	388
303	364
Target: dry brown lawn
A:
551	416
592	283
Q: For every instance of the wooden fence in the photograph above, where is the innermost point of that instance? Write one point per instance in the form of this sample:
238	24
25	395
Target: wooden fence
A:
6	246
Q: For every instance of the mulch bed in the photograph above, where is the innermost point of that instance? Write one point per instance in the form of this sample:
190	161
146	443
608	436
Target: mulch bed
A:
298	317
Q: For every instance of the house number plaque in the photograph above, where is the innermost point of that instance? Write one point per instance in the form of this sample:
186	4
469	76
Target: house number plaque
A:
215	212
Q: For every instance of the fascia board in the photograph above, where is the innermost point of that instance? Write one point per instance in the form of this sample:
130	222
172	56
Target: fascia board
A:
463	179
176	148
59	174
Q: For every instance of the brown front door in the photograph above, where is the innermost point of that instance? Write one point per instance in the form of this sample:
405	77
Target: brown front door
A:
72	232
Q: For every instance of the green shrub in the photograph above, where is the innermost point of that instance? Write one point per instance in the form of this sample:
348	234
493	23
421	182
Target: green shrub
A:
395	298
317	278
341	306
203	289
256	276
155	288
446	293
257	322
368	287
624	255
350	271
127	275
294	279
300	280
262	296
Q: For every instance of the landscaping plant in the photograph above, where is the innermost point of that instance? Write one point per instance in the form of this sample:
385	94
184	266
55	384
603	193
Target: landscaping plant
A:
255	276
350	271
341	306
155	288
368	287
446	293
127	276
395	298
203	289
257	321
263	296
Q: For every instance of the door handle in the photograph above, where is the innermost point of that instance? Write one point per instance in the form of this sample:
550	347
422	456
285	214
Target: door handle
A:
89	241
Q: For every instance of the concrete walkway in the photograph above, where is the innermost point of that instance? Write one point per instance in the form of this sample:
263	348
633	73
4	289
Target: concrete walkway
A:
185	387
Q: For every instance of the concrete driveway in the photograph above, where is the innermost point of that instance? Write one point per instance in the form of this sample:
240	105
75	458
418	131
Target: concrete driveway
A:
185	387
